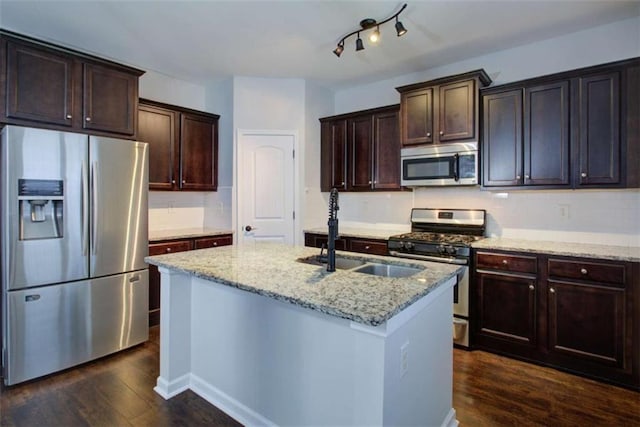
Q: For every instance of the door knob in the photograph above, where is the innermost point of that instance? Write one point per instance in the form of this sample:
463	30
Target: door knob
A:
248	228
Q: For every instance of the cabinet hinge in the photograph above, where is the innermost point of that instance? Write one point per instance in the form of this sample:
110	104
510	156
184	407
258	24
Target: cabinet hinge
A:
294	154
294	214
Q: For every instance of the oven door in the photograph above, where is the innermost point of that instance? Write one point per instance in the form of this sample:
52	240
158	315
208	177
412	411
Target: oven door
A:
454	164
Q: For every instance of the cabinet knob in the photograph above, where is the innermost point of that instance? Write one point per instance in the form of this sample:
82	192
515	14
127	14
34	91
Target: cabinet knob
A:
583	175
441	132
215	243
367	247
517	176
369	182
526	177
342	183
428	133
68	116
173	181
168	249
88	119
505	262
551	290
184	181
583	271
532	287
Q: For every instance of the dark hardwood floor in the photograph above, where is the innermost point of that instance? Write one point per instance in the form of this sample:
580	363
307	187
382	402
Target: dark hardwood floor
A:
488	390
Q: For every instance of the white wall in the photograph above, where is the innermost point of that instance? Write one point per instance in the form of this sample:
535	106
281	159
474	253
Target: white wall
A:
184	209
609	217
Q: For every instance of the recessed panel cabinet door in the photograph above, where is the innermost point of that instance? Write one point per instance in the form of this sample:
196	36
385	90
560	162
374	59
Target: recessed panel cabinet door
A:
39	85
199	147
159	128
457	111
386	165
110	100
360	139
334	155
546	134
502	139
599	136
417	117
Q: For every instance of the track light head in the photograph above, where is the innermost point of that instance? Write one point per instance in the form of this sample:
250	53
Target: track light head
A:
374	36
359	44
400	28
338	50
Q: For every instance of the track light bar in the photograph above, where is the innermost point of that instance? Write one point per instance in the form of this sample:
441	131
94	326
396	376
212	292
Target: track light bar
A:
374	37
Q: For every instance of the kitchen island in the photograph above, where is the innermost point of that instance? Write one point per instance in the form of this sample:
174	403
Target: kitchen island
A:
273	341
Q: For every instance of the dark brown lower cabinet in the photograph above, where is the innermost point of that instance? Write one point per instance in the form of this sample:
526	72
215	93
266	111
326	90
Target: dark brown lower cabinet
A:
162	247
352	244
576	314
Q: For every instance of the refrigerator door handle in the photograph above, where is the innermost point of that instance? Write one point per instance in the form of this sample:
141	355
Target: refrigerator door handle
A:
94	207
84	209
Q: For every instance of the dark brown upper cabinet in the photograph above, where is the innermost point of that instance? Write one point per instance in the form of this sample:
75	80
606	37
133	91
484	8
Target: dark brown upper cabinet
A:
47	86
577	129
361	150
183	146
441	111
526	136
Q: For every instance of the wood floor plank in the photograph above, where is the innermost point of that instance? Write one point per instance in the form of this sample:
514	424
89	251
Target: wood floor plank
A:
488	390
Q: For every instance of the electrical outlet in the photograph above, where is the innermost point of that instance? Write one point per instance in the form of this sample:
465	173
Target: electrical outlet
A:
565	211
404	359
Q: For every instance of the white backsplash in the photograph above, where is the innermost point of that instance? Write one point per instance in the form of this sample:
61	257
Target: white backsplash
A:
186	209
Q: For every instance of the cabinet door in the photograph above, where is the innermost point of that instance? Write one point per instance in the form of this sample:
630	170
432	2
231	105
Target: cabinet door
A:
599	135
198	152
546	134
506	310
360	143
417	117
502	139
158	127
39	85
457	111
110	99
587	322
386	148
333	162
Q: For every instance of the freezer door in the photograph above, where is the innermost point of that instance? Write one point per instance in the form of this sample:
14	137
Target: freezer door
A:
55	327
119	185
45	207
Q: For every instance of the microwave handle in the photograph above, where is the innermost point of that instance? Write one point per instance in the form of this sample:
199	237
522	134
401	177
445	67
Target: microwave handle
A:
456	167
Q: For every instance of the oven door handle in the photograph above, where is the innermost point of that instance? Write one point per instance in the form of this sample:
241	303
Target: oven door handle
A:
429	258
456	167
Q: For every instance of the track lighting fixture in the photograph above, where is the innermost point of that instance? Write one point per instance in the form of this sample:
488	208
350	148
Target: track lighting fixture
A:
374	37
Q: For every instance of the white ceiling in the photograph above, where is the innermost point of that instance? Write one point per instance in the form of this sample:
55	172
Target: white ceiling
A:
203	40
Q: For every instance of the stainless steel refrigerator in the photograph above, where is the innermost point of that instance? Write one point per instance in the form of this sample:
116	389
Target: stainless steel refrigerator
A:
74	236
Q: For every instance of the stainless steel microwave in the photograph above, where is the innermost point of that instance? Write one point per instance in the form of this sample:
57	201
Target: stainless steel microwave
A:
443	164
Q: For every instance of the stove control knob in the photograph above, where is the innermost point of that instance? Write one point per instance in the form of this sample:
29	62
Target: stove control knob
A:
451	250
408	246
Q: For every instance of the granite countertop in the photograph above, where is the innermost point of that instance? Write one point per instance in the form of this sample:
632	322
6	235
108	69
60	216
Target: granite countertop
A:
185	233
271	269
362	232
619	253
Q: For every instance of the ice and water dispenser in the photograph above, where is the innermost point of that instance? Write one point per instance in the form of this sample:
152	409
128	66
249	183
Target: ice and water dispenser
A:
40	204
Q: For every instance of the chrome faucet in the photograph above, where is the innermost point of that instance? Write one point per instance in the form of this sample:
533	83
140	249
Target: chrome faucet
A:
333	230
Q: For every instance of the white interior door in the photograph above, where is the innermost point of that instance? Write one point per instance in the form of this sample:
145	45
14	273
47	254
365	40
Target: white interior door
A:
266	184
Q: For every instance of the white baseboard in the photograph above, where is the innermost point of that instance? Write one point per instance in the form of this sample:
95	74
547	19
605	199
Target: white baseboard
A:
168	389
230	406
450	420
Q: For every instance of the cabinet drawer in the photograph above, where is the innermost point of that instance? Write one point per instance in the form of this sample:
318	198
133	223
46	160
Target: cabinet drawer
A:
504	262
212	242
586	270
169	247
368	246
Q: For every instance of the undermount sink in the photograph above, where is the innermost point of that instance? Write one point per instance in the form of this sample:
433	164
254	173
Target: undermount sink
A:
341	263
386	270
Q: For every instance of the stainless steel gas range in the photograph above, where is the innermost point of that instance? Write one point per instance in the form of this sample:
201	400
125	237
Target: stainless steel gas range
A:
444	235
